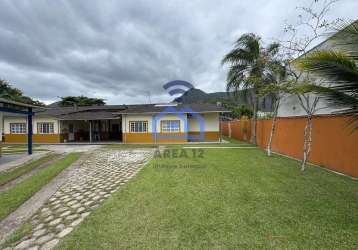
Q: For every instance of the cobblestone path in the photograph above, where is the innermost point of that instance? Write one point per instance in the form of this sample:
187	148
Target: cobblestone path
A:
101	174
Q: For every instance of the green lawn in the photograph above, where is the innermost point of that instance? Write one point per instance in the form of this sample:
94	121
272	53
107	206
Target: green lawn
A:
230	143
14	197
8	176
229	199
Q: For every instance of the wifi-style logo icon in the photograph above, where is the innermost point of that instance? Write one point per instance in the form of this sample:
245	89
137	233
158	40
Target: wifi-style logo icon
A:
177	87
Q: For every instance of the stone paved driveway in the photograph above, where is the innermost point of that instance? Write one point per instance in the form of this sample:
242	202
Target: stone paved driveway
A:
101	174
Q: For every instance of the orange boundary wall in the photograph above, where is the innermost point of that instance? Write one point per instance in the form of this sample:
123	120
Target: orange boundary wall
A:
334	146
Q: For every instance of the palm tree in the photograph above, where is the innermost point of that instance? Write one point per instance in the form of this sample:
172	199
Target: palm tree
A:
250	69
339	67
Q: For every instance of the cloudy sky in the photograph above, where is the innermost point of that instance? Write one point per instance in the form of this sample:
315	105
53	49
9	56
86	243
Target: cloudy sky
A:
124	50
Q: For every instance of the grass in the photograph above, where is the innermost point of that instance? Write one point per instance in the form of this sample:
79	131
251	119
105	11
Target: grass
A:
8	176
14	197
24	230
229	199
230	142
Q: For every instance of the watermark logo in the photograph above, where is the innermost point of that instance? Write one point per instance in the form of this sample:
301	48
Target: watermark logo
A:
173	153
178	122
177	87
176	154
174	124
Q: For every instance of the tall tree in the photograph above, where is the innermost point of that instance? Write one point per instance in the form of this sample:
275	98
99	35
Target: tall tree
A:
80	101
278	87
249	68
311	26
337	66
11	93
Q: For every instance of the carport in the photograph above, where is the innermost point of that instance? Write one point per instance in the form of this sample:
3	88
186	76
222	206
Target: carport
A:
8	106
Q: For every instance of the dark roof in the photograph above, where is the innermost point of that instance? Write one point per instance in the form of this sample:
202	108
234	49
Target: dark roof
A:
19	104
89	115
114	111
59	111
158	108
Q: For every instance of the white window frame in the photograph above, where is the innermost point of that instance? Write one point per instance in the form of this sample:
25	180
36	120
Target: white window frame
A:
18	128
42	129
170	126
138	126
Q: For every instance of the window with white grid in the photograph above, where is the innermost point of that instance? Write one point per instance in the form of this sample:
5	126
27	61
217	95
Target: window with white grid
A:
45	128
18	128
170	126
138	126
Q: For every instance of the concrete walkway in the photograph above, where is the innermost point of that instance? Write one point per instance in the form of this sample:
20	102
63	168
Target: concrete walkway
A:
85	188
14	182
8	162
69	148
30	207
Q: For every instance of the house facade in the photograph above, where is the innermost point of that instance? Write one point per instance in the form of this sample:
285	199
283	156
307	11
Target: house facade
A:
147	123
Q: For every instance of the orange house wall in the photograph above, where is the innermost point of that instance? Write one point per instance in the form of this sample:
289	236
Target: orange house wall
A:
36	138
148	138
333	144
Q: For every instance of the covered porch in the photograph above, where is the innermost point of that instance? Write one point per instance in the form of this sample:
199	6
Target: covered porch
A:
103	130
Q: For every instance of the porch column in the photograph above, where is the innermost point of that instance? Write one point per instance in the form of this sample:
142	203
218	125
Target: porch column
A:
29	131
90	131
99	130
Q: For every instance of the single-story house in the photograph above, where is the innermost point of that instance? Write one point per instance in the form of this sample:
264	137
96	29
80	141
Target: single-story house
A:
144	123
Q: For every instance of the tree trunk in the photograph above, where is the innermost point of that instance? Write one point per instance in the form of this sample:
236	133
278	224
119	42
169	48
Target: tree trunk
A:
254	119
307	142
273	128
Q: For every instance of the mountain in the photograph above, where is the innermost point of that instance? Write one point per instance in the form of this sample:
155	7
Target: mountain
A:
198	96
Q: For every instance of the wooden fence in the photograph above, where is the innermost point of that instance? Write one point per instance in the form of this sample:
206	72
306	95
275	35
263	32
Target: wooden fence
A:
334	145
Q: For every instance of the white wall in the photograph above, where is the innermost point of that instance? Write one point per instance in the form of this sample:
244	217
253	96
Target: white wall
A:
35	120
149	118
290	105
182	120
212	122
127	118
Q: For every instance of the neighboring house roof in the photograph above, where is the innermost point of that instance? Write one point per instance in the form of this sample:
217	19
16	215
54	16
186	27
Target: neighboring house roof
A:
328	43
241	97
114	111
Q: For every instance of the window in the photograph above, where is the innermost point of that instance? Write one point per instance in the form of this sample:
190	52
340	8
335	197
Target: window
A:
138	126
17	128
170	126
45	128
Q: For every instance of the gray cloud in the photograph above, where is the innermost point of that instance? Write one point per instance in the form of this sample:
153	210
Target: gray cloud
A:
120	50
